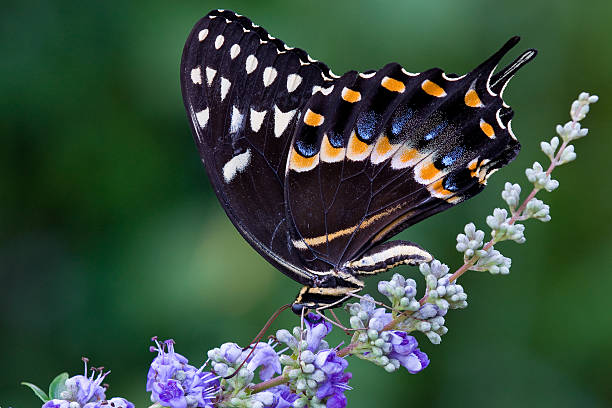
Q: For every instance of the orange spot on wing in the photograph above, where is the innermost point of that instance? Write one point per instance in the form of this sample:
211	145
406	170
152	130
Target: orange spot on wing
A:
472	100
393	85
439	189
429	171
356	146
487	129
433	89
301	163
328	151
313	119
408	155
351	96
383	146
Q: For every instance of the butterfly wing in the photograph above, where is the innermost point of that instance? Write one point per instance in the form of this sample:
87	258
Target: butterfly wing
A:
243	91
386	149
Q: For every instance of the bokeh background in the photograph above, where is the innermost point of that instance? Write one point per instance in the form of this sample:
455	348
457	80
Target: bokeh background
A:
110	232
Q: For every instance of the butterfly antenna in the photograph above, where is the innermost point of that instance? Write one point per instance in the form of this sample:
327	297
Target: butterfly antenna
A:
258	337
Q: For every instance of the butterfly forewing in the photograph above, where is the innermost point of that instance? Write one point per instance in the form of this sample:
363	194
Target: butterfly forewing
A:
244	91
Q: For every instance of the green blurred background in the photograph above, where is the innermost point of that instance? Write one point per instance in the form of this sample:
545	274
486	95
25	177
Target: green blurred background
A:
110	232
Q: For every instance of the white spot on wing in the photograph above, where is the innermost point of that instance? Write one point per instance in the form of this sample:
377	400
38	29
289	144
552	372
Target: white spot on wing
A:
251	64
202	117
327	91
210	75
225	85
293	81
236	165
257	119
234	51
368	75
202	34
219	41
499	121
236	123
324	91
409	73
452	79
269	75
196	75
281	120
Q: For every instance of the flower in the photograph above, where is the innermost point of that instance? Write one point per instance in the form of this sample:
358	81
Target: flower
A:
175	383
165	365
82	389
336	380
316	329
405	350
56	403
264	355
169	393
115	402
283	397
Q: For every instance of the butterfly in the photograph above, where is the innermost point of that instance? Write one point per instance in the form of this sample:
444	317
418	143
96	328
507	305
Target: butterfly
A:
317	171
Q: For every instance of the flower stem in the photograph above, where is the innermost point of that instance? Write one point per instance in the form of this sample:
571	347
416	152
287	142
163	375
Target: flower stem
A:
273	382
515	216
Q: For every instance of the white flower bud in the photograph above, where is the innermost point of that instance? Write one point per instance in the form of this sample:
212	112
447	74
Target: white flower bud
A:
318	376
433	337
265	397
300	403
356	322
567	155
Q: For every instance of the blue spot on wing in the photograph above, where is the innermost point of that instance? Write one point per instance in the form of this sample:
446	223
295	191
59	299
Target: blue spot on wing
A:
436	131
305	149
452	157
450	183
335	139
366	124
399	121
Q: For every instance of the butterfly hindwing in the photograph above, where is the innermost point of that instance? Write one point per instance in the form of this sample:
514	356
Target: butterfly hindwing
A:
398	148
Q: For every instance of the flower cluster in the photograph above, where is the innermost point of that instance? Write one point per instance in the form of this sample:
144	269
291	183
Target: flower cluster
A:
176	384
390	349
79	391
503	223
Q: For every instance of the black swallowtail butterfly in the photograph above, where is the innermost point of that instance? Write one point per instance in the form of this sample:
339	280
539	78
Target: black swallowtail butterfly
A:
316	170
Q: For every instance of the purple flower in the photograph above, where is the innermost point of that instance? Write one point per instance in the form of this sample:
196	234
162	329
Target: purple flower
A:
165	365
283	397
175	383
200	388
405	350
169	393
116	402
336	380
231	352
56	403
316	329
265	356
82	389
